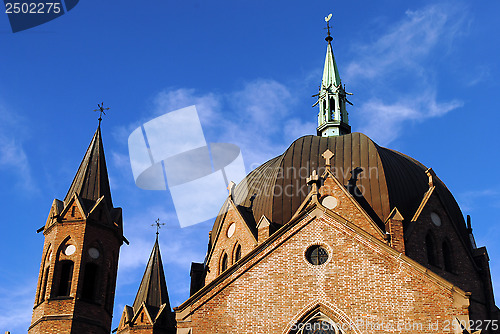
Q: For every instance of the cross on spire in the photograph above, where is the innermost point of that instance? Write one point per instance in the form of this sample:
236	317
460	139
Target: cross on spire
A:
101	111
158	226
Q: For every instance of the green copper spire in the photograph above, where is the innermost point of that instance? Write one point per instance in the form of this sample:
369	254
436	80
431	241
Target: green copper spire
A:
332	117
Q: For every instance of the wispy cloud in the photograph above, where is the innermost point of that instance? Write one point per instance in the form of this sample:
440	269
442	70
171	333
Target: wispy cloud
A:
255	117
472	199
13	157
384	121
397	64
16	305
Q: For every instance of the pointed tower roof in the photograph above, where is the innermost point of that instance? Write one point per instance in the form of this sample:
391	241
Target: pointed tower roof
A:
153	288
331	77
91	180
332	117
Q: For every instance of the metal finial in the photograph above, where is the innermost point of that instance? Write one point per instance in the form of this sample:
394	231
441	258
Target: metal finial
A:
101	111
158	226
327	20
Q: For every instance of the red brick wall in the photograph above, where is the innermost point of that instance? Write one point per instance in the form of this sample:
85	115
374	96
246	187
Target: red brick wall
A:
347	208
224	244
363	279
72	314
465	273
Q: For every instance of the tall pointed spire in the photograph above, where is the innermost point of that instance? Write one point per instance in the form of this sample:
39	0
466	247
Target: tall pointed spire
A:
91	180
153	288
332	116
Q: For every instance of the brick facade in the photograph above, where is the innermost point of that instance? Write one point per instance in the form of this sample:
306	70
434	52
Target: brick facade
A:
74	312
363	279
374	281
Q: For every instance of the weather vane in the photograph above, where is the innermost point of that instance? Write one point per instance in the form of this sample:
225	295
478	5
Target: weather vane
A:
327	20
158	226
101	111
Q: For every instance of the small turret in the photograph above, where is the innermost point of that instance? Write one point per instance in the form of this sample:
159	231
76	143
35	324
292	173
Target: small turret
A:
332	117
151	312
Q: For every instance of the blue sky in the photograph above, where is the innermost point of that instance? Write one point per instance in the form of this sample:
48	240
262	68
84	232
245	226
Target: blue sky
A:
423	74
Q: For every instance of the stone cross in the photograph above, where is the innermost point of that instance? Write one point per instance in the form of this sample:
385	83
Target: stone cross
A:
328	155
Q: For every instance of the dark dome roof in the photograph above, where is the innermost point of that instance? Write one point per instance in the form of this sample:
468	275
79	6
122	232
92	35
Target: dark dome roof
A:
389	179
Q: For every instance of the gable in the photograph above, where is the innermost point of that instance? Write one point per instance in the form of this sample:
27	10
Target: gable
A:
74	210
142	317
335	197
232	232
435	220
362	276
100	212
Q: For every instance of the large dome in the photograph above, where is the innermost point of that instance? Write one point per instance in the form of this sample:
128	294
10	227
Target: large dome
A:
389	179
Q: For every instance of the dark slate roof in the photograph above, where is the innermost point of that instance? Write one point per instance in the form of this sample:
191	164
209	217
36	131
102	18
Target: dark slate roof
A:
153	288
91	180
389	179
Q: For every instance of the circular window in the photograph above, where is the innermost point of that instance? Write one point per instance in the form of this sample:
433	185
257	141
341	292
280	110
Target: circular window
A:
435	219
330	202
94	253
316	255
231	229
69	250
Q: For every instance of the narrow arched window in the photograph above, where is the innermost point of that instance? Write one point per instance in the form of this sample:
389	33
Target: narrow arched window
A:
65	278
431	249
43	289
223	263
447	257
237	253
90	281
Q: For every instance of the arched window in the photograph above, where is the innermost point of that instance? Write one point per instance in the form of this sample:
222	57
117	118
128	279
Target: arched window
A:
90	281
431	249
65	278
223	263
447	256
44	276
43	289
318	323
237	254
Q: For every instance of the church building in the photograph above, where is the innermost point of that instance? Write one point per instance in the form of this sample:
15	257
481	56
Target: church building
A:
335	235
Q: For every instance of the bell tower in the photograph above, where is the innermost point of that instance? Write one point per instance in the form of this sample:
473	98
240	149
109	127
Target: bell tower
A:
332	117
83	235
